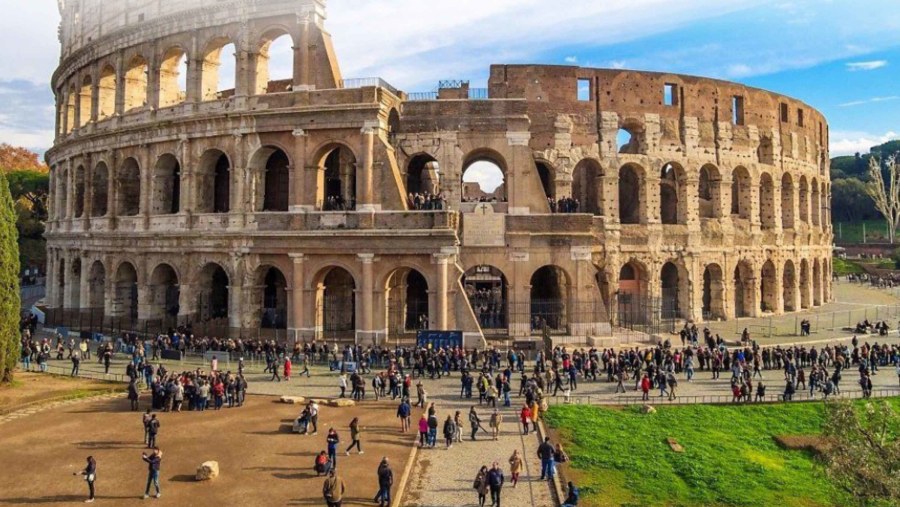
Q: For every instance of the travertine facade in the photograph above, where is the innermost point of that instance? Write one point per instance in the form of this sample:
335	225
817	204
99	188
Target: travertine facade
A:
175	201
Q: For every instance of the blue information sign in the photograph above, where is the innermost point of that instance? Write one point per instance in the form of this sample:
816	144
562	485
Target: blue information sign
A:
439	339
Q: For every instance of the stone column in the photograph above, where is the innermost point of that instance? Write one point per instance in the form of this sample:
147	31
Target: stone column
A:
84	291
440	319
146	182
194	81
779	287
301	56
692	206
51	282
366	296
365	196
235	304
120	85
186	302
295	323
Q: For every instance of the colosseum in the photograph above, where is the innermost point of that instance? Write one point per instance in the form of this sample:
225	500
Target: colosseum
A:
563	200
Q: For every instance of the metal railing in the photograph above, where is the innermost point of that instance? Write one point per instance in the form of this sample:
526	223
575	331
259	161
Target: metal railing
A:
368	82
712	399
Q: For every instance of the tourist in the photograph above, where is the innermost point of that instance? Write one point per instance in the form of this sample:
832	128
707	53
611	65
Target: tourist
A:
90	476
146	419
76	362
275	375
449	431
458	424
287	368
153	465
432	427
572	496
355	432
481	485
645	388
385	481
133	395
322	464
515	467
545	452
332	441
423	430
495	421
403	413
333	490
524	417
342	383
152	430
495	481
474	421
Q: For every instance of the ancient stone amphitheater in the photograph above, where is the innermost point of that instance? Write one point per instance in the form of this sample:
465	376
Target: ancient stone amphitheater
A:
303	207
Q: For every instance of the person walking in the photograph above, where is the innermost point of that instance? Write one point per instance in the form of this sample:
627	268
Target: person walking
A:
76	362
545	453
287	368
333	490
354	436
481	485
146	420
474	421
342	383
153	464
525	416
385	481
90	476
449	431
403	413
495	422
515	467
152	430
275	375
332	440
423	430
495	482
133	395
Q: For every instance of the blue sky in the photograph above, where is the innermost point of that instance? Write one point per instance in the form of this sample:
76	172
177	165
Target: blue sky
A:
840	56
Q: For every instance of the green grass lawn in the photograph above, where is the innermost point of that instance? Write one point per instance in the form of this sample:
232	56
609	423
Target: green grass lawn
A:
852	232
843	267
620	457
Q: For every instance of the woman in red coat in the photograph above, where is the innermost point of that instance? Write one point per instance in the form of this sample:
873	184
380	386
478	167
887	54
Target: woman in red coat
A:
287	368
525	416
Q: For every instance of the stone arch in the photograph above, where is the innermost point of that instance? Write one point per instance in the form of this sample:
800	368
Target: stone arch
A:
481	169
674	290
172	91
166	186
271	40
100	190
106	93
336	179
213	293
633	294
96	286
85	101
270	298
135	83
766	201
789	286
80	191
128	202
765	152
805	286
272	168
550	286
804	200
488	293
744	282
741	206
631	191
164	295
213	182
547	175
213	83
587	186
768	287
710	191
422	175
672	194
787	201
71	105
817	283
393	123
335	303
713	292
631	137
815	204
406	302
125	293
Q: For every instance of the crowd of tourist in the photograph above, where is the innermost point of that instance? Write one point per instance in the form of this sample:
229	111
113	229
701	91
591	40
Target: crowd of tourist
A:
425	201
564	205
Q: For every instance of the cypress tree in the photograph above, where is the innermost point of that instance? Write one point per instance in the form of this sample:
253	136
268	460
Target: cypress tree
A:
10	297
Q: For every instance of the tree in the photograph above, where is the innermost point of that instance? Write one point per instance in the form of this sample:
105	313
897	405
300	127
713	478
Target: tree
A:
15	158
862	455
10	303
886	195
850	201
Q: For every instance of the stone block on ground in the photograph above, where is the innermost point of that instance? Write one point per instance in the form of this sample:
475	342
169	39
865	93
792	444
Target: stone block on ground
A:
207	471
293	400
341	403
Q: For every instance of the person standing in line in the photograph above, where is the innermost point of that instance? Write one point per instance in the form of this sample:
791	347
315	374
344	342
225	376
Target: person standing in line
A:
133	395
333	489
342	383
333	440
287	368
385	481
495	481
515	467
403	412
152	430
90	475
449	431
153	464
474	421
146	420
354	436
525	416
495	422
481	485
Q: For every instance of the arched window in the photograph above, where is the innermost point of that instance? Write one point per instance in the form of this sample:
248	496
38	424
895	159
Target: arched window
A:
484	179
768	288
100	189
548	181
713	293
85	101
630	191
275	64
407	303
486	290
740	193
166	186
173	78
710	192
213	296
106	93
129	191
336	189
787	201
422	177
549	291
587	186
672	195
336	304
219	70
213	183
136	83
70	110
79	191
277	182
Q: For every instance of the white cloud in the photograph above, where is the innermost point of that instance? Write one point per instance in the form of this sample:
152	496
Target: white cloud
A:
873	100
571	59
871	65
849	143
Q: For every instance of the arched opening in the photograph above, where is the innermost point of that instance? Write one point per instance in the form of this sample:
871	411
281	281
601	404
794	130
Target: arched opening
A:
629	138
164	296
741	206
710	192
787	201
768	288
789	287
630	189
766	201
173	78
674	292
62	188
406	295
743	290
548	181
79	192
549	291
805	287
672	189
166	186
765	152
85	101
219	70
277	175
136	83
129	191
100	190
213	294
713	293
486	289
804	200
816	205
337	182
817	283
71	102
125	295
336	305
422	178
275	64
274	300
484	178
632	296
96	286
106	93
393	124
213	183
587	186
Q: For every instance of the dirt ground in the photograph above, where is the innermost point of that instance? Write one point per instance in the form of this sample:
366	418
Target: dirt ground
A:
31	387
261	461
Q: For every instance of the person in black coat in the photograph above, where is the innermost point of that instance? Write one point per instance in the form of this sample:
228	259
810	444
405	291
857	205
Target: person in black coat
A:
90	475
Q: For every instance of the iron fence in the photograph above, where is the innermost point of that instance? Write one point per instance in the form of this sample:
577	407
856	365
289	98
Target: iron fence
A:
712	399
